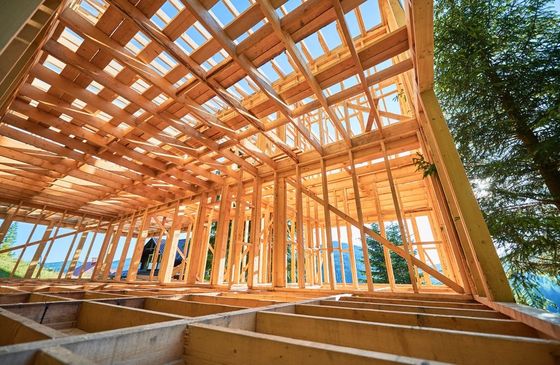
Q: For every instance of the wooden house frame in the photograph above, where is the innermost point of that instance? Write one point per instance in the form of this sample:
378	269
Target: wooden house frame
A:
265	133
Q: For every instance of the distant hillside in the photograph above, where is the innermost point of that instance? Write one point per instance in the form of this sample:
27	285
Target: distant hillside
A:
346	260
55	266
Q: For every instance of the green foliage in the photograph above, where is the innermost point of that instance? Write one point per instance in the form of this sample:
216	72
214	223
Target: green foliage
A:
377	259
498	79
427	168
10	237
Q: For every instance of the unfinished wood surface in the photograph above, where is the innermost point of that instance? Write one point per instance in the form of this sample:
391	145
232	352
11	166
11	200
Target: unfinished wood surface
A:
242	164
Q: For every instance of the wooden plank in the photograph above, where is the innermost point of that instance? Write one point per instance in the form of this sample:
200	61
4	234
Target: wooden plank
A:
246	347
428	343
484	325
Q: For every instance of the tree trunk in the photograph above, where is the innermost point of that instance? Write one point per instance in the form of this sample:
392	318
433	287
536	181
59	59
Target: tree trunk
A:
543	163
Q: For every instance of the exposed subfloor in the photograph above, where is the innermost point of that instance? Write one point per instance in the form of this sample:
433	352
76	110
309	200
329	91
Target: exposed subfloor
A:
112	323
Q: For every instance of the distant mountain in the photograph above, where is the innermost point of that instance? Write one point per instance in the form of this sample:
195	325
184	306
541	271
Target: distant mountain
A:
55	266
347	263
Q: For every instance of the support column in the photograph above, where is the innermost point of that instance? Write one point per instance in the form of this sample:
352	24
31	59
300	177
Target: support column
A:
220	244
400	220
138	248
360	214
280	232
328	232
165	272
299	231
458	192
124	252
254	250
39	251
197	244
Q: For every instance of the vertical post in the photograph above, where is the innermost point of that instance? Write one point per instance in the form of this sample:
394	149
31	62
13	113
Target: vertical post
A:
237	237
254	250
360	214
197	244
138	248
29	237
280	232
102	251
401	222
74	237
157	247
77	253
299	230
350	243
327	214
39	251
108	262
458	191
124	251
339	238
54	238
83	269
165	272
220	244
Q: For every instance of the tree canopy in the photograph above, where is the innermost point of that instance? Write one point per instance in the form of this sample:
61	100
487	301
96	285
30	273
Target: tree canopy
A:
497	75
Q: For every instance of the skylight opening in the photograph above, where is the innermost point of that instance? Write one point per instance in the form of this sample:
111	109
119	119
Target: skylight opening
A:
166	13
138	43
196	35
172	7
288	7
182	81
70	39
331	36
380	66
241	38
65	117
282	61
312	46
333	89
54	64
121	102
160	99
77	103
33	103
163	63
258	26
269	72
221	13
185	43
94	87
351	81
113	68
40	84
103	116
239	6
212	105
232	90
154	141
138	113
140	86
372	17
352	23
188	119
92	10
171	131
246	86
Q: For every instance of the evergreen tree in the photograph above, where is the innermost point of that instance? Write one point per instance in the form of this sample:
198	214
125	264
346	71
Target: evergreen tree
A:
498	79
377	258
10	237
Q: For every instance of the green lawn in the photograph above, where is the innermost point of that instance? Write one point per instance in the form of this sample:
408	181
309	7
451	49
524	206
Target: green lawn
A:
7	263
